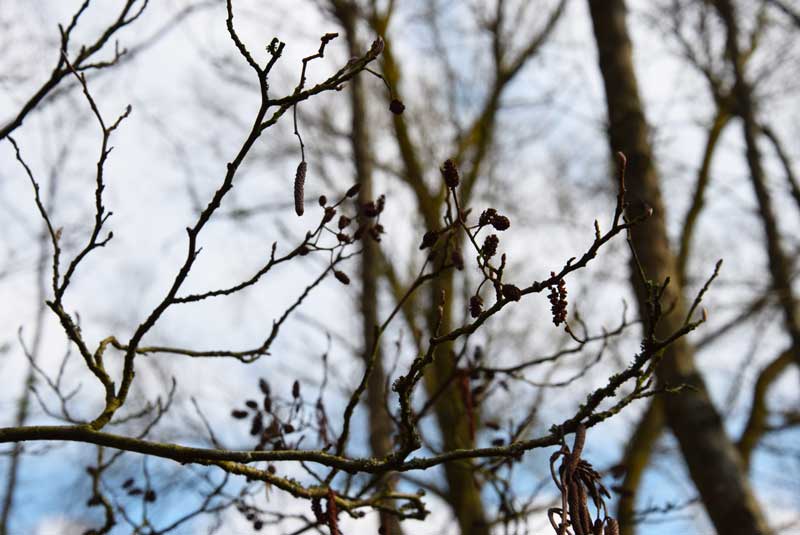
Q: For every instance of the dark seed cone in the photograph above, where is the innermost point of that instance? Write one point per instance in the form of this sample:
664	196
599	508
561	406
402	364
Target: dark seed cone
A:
490	244
487	216
511	292
369	209
299	188
501	222
450	174
428	239
396	107
475	306
296	389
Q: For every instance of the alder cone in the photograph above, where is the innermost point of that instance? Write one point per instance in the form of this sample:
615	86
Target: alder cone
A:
428	239
475	306
396	107
511	292
450	174
490	244
501	222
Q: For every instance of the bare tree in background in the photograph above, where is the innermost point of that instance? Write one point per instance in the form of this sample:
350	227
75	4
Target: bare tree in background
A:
437	407
473	144
710	455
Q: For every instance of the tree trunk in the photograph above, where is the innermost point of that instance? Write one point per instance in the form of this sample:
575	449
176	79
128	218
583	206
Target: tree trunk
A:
464	496
779	265
24	402
380	422
637	457
713	462
452	418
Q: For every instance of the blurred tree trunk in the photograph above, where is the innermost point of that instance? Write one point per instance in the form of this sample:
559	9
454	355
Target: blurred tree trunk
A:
464	494
779	264
452	418
745	107
472	147
638	453
24	401
713	461
380	422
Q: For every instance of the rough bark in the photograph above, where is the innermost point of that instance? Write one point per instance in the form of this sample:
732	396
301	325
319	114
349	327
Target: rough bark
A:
712	459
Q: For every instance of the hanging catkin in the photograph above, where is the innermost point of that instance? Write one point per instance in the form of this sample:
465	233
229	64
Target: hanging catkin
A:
299	183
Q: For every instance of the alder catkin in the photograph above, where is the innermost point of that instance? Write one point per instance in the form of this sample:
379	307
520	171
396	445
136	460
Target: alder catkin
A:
299	186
